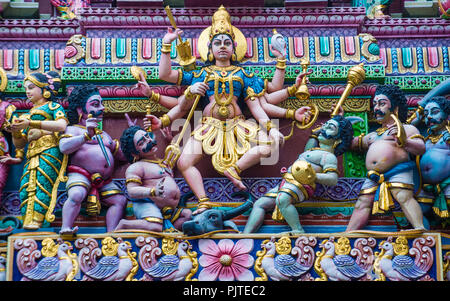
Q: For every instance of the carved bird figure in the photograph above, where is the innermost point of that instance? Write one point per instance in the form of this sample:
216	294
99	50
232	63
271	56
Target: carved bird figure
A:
339	267
400	267
113	268
173	267
55	268
282	267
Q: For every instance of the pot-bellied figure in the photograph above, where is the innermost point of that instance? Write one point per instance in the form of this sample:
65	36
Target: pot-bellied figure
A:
153	191
226	90
390	161
435	163
317	164
93	154
45	165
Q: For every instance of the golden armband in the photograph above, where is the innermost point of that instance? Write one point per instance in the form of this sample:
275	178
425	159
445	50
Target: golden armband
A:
155	97
360	142
290	114
281	64
19	153
291	90
188	94
165	120
166	48
35	124
269	125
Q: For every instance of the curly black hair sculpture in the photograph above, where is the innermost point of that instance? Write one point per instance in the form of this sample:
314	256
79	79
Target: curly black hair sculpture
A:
77	99
345	134
127	142
397	99
442	102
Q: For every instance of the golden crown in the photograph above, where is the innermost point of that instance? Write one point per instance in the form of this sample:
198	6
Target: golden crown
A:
221	23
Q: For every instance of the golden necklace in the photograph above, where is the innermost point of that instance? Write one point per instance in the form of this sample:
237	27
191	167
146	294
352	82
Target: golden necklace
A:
434	138
381	131
223	100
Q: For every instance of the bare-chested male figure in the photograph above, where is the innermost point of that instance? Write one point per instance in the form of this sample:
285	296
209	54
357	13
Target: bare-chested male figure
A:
150	184
91	162
389	161
317	164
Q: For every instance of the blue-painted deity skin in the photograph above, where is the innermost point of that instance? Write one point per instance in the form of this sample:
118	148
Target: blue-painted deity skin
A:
434	116
329	130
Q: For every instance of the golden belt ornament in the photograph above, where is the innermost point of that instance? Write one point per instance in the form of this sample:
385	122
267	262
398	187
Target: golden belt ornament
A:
226	141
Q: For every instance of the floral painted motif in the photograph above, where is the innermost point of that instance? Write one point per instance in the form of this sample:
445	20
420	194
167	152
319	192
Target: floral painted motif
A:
226	260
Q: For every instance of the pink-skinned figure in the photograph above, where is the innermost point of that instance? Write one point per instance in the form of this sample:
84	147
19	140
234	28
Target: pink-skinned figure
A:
6	114
152	189
91	162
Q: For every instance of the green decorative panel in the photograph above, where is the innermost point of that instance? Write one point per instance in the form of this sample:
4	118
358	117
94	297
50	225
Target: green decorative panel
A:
416	83
319	73
354	163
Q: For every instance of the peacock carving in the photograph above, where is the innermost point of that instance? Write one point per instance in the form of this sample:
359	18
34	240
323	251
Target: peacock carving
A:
398	262
58	262
290	263
339	262
179	262
118	263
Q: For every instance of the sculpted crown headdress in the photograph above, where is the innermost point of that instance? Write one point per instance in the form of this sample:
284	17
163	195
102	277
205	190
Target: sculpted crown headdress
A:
221	23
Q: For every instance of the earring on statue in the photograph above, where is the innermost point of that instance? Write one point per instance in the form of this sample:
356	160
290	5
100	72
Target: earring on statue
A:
46	94
210	57
233	57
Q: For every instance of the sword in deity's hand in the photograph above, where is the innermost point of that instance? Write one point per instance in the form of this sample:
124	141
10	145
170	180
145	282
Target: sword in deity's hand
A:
100	142
187	60
356	75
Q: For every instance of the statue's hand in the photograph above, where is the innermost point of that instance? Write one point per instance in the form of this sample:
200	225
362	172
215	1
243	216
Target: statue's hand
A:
167	133
199	88
276	136
91	125
303	114
278	54
299	79
9	160
340	111
171	35
19	124
152	122
160	188
143	86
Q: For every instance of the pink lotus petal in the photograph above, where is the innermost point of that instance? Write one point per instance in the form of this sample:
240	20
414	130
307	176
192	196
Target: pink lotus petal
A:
244	260
208	246
226	274
210	273
206	260
245	275
240	271
226	246
242	246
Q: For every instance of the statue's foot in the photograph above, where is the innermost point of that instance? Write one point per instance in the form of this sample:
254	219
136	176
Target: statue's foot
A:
414	230
68	231
294	232
236	181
